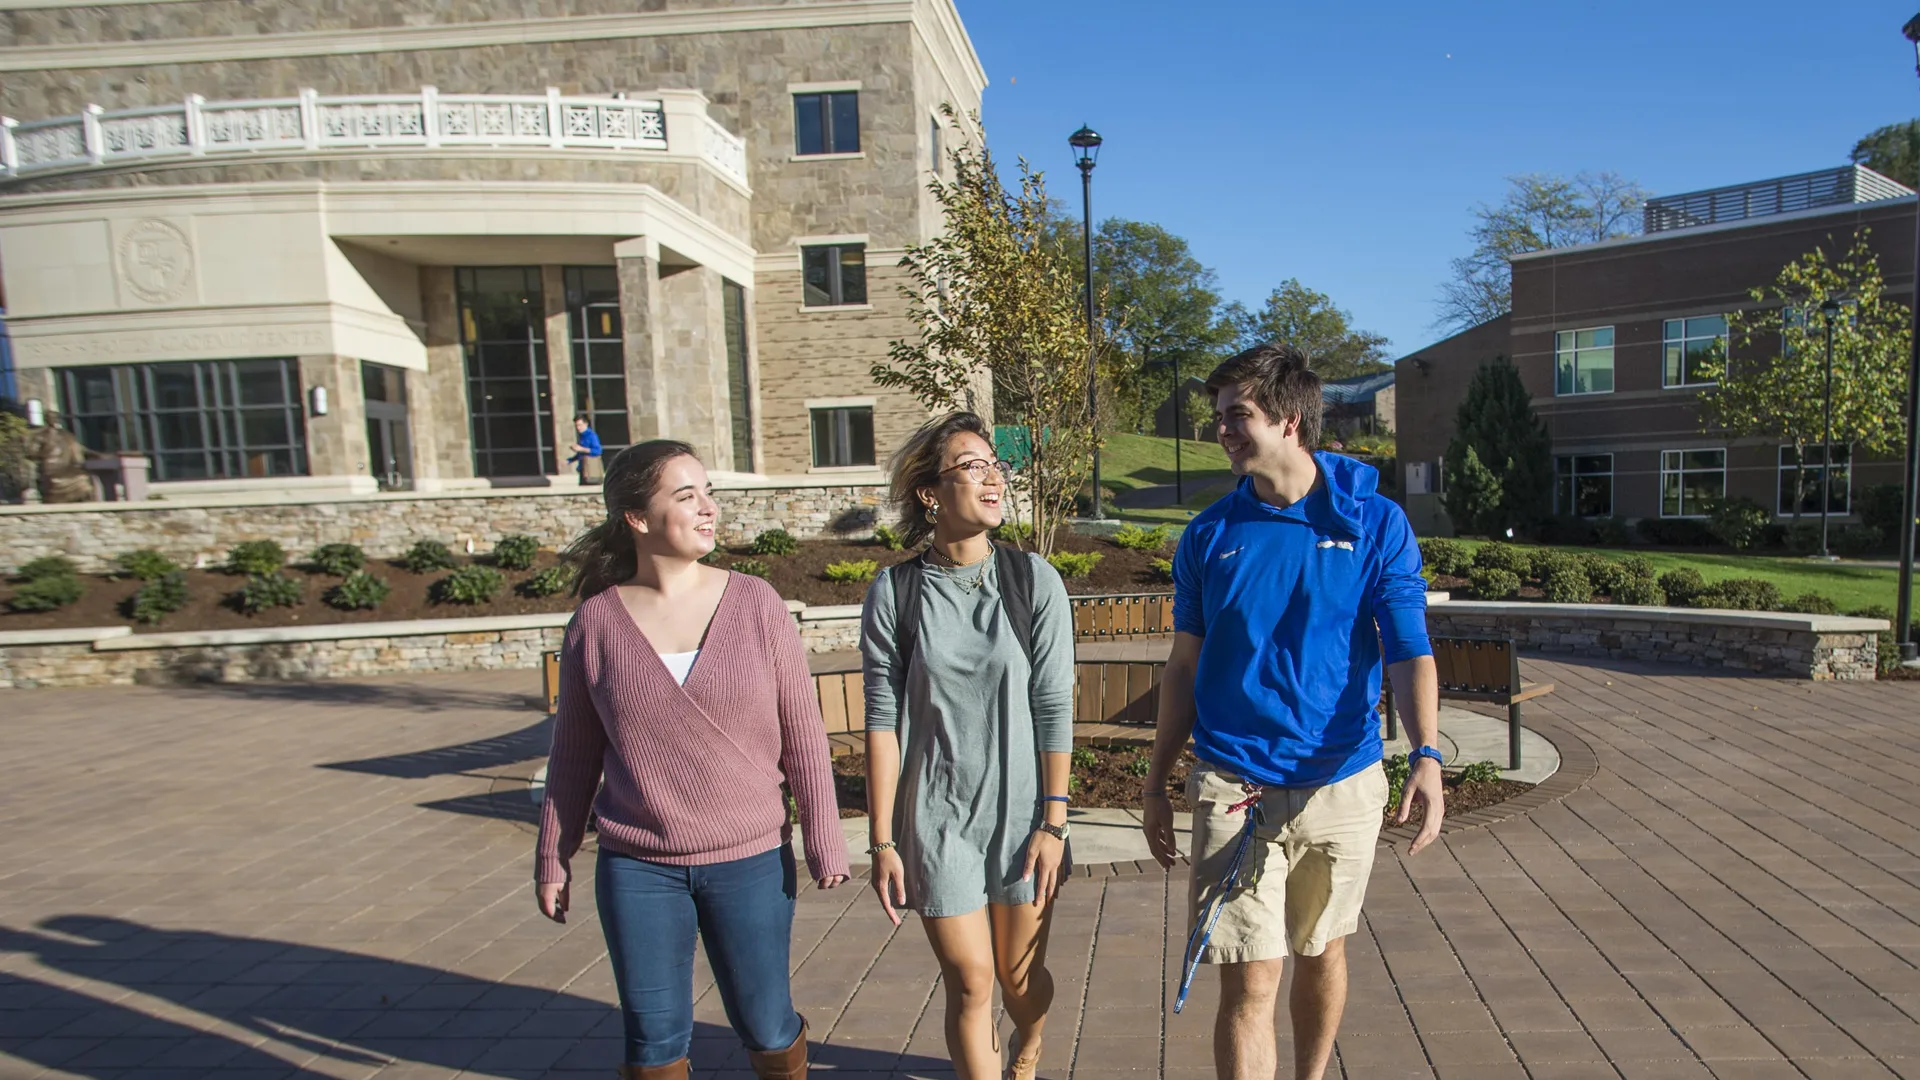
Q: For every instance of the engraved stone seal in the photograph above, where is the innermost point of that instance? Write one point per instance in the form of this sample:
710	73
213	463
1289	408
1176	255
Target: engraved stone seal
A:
156	261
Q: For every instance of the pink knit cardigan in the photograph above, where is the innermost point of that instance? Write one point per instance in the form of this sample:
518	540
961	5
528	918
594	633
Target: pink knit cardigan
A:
692	773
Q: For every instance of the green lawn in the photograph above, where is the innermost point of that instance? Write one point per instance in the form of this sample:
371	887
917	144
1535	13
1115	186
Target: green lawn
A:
1849	585
1129	462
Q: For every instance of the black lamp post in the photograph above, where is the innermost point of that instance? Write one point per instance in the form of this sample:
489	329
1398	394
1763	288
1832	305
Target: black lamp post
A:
1086	144
1903	632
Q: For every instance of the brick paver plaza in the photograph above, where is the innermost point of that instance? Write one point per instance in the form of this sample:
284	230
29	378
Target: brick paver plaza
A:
332	880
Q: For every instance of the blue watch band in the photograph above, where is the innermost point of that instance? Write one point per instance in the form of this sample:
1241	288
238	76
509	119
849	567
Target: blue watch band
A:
1419	752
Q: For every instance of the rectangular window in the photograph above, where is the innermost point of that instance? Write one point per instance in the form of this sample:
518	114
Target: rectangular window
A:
933	143
1689	344
1583	361
1583	485
1800	486
1690	480
834	275
599	354
503	336
196	420
733	300
826	123
842	437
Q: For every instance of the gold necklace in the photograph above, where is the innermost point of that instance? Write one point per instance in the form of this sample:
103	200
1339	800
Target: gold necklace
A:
967	585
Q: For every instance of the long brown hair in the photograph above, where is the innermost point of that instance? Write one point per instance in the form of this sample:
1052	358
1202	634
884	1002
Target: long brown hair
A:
917	464
605	555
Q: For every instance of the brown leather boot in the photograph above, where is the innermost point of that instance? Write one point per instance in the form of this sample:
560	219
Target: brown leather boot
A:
673	1071
788	1064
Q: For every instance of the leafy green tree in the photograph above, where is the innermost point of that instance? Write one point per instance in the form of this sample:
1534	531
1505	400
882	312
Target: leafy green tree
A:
1892	151
1309	320
1540	211
1161	307
1498	442
1769	375
994	293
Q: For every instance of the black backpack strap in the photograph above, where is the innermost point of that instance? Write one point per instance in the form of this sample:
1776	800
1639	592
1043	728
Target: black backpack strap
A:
1016	592
905	578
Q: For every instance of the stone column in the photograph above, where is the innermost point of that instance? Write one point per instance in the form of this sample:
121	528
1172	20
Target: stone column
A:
553	290
437	397
336	442
639	272
693	365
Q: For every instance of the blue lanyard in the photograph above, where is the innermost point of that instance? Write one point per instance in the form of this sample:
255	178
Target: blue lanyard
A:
1203	929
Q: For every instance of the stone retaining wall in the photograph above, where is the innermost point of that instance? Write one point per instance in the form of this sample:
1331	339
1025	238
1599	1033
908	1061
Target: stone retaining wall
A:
1795	646
93	534
84	664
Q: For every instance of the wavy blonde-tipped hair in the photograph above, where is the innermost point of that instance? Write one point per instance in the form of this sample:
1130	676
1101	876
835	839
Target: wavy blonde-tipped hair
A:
917	465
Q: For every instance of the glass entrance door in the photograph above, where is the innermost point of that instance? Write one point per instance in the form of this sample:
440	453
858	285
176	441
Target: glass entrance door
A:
510	405
389	450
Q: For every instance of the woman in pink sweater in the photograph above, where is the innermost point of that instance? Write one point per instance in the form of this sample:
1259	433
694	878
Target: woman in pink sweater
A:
684	688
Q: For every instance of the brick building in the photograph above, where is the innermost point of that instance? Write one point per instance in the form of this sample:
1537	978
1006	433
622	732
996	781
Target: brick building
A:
403	242
1602	335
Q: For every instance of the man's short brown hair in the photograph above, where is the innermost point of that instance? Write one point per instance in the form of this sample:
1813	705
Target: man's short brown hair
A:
1279	380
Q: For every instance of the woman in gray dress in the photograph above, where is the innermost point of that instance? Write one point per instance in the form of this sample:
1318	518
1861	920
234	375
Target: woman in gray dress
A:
970	741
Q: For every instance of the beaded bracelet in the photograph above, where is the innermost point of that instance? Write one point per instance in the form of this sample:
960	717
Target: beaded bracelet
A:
884	845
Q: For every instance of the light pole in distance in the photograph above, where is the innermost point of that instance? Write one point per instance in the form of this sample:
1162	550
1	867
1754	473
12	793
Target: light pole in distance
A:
1903	630
1086	144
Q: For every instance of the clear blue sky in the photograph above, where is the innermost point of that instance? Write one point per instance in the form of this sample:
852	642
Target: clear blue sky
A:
1345	144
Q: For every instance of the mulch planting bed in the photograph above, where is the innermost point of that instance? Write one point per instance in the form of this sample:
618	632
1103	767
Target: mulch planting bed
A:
209	606
1109	776
801	576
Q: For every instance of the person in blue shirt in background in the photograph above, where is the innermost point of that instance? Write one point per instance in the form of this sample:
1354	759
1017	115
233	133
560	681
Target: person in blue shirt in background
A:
1287	592
586	452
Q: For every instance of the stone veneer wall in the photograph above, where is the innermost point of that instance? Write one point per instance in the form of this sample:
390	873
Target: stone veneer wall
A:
26	667
1822	648
93	534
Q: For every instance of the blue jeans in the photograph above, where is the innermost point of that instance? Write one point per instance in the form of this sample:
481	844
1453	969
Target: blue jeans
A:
743	912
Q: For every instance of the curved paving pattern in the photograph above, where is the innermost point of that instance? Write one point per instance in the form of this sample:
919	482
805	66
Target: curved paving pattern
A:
330	880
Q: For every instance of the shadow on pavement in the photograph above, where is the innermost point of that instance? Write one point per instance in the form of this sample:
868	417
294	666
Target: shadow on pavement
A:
532	741
322	1007
391	694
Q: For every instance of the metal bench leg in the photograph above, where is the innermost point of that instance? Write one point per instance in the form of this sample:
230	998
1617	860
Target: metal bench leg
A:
1393	716
1513	735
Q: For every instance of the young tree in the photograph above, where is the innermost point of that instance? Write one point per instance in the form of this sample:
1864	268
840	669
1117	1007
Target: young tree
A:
1161	305
1892	151
1299	316
1540	212
1199	413
1770	381
1498	442
994	293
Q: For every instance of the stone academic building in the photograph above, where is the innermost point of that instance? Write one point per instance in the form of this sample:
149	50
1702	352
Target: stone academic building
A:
287	246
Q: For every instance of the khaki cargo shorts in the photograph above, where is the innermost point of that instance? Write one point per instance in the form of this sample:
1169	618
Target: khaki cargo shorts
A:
1305	872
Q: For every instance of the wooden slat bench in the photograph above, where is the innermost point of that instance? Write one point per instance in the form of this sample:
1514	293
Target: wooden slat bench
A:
1106	618
1479	669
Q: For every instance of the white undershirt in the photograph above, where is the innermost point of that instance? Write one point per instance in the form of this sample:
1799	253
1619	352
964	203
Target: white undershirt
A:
679	664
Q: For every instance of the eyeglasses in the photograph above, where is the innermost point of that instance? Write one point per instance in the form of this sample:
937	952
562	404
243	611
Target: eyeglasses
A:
979	468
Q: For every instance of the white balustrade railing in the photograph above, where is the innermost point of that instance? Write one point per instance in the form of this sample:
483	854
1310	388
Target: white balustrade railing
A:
310	122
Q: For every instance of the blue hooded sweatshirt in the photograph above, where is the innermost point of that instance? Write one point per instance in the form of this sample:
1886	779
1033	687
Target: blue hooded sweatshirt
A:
1296	606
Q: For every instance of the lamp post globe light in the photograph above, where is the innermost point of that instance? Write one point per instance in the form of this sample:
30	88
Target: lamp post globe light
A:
1086	147
1903	629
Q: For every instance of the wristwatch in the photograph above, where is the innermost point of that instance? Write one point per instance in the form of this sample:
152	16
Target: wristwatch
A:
1058	832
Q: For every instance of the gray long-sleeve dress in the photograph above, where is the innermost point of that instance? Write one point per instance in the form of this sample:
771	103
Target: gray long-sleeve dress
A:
976	719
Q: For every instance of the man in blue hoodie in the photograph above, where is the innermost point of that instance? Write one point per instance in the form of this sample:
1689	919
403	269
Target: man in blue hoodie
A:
1286	594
